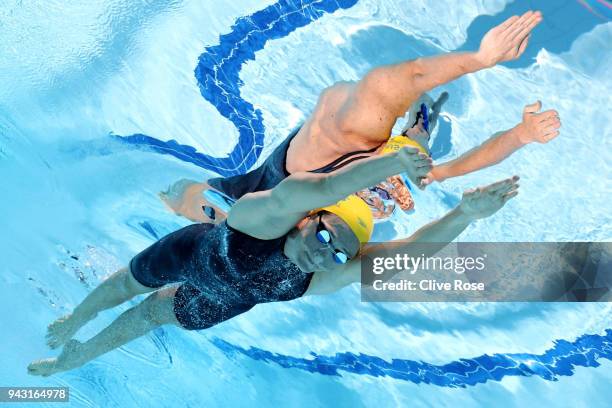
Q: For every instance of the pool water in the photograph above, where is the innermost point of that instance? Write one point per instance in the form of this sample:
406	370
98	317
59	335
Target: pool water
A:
104	106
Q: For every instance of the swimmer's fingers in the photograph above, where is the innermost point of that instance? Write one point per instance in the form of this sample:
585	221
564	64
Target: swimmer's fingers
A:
513	30
502	184
532	108
522	29
516	36
422	172
552	122
411	152
424	162
523	45
419	158
551	127
517	23
550	136
510	195
425	181
424	167
422	157
549	114
503	26
506	189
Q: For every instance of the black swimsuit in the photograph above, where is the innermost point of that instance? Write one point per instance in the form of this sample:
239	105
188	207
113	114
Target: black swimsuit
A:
224	272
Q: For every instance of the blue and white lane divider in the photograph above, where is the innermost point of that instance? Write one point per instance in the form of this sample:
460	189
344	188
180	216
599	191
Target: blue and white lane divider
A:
560	360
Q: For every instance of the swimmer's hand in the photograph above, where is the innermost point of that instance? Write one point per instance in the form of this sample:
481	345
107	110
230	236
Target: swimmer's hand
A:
538	127
416	165
485	201
508	40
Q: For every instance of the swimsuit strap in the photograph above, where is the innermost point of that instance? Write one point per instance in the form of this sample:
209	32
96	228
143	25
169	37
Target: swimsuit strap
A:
344	160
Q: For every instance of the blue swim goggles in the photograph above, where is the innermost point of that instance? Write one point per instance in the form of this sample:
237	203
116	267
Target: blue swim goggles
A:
324	237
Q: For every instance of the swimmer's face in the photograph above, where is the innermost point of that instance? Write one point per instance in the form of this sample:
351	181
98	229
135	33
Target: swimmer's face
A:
312	255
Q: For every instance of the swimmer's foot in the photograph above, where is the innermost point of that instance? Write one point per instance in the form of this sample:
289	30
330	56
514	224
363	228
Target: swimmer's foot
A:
414	123
437	107
69	358
62	330
174	196
186	198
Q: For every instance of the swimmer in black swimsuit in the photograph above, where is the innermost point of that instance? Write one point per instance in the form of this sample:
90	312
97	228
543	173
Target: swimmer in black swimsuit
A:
302	237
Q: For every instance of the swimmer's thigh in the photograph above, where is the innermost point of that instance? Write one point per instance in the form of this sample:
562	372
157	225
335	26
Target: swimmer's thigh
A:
172	259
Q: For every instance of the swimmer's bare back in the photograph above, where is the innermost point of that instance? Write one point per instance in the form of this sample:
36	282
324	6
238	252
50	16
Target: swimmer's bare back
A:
324	137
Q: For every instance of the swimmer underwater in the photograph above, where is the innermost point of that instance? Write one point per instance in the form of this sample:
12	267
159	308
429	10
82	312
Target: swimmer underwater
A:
302	238
352	121
302	235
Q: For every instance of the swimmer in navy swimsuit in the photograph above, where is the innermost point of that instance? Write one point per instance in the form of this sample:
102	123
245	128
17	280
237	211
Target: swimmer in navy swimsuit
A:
303	237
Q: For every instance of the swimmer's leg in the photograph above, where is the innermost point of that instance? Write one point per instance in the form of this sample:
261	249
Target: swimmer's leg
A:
156	310
186	198
116	289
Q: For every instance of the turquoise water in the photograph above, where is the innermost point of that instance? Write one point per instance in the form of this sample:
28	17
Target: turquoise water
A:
79	202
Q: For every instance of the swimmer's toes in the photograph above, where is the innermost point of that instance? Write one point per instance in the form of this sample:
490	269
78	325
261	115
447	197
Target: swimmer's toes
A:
59	332
441	101
176	190
43	367
173	196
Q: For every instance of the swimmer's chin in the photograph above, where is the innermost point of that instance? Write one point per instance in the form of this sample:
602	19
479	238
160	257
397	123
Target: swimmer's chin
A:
304	263
297	253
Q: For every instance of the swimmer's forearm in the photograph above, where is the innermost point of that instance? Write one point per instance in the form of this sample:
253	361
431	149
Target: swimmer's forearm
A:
496	149
361	174
441	231
302	192
427	241
386	92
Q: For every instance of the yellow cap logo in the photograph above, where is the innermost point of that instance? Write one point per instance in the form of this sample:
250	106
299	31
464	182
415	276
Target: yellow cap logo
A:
356	214
397	142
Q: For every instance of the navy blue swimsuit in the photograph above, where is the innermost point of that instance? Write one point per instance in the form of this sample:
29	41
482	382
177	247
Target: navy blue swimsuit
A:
224	272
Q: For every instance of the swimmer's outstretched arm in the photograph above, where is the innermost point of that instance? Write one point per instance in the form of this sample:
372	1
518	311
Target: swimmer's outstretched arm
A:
475	204
385	93
272	213
535	127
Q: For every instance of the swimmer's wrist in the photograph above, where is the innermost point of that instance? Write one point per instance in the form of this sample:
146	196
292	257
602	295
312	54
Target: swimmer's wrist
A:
463	217
521	135
483	61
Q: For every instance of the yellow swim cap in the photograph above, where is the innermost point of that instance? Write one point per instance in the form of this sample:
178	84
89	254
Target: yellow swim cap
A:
356	214
397	142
